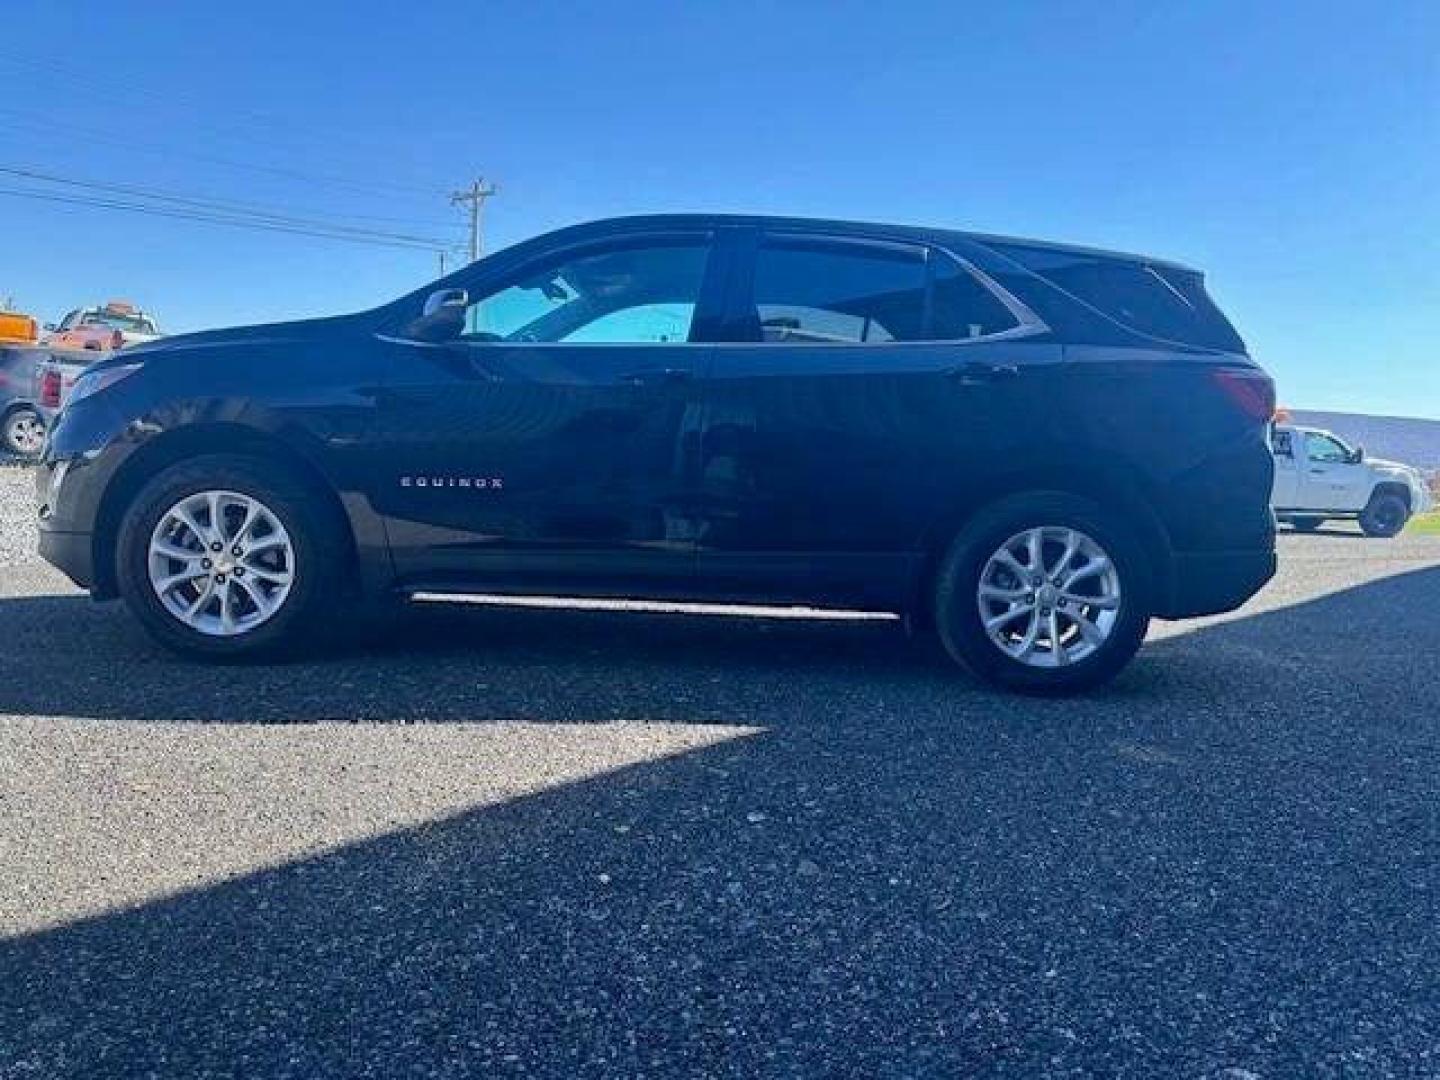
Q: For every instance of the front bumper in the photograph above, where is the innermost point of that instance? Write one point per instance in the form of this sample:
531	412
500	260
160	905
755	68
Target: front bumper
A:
1209	583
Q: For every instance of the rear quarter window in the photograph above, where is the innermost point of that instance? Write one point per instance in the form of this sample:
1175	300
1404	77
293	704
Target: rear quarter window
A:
1164	302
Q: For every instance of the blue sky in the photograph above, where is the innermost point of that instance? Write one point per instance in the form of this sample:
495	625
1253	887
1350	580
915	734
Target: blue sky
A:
1291	150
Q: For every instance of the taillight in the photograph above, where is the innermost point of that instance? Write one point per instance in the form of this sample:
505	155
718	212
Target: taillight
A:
50	389
1251	390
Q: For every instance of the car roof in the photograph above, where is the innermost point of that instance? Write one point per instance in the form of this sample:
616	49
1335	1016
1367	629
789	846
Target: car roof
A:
870	228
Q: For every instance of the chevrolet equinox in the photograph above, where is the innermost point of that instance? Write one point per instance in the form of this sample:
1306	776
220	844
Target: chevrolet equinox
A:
1030	448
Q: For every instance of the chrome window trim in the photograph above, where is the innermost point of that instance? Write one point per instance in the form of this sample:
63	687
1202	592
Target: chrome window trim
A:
1028	324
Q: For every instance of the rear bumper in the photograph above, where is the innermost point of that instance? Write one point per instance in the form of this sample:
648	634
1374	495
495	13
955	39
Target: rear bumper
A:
72	553
1212	582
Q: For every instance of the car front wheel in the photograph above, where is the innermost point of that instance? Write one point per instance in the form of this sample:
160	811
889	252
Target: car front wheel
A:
1044	593
225	557
24	432
1385	516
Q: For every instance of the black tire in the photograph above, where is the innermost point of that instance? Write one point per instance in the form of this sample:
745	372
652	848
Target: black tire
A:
957	613
16	433
1307	524
1385	516
319	557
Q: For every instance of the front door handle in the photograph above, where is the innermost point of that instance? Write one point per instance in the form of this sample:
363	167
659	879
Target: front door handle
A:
656	375
977	372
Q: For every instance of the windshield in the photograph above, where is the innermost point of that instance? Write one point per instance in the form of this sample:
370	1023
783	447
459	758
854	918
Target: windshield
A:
134	324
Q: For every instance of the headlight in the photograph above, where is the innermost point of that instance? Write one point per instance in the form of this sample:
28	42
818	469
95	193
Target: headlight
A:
92	382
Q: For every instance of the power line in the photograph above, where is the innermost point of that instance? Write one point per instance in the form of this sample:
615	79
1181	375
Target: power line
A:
72	77
216	218
233	209
152	147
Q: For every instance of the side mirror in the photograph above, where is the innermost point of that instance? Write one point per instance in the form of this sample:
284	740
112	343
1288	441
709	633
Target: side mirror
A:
50	326
1358	456
443	316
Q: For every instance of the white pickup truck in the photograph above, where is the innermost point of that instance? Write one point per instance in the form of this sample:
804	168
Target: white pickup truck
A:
1319	477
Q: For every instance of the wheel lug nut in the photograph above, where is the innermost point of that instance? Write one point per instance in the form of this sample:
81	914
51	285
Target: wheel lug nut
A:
215	547
1045	611
204	564
236	552
239	571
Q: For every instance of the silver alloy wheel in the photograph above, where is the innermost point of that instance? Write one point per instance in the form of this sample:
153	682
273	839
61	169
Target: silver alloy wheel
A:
1049	596
221	562
25	432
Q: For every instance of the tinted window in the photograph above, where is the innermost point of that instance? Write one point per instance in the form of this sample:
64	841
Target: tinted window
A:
962	306
1158	301
1282	444
816	292
642	294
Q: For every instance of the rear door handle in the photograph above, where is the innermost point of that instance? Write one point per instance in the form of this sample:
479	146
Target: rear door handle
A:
975	372
656	375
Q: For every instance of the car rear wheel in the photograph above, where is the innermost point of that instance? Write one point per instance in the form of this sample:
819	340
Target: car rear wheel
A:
1044	593
24	432
1385	516
227	557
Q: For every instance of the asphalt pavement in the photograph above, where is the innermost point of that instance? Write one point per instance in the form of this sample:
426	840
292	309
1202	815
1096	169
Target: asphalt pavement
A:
500	843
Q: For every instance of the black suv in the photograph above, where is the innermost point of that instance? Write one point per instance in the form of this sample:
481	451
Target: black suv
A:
1032	448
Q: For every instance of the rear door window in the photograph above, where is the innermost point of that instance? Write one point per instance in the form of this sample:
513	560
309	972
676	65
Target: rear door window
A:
816	291
962	306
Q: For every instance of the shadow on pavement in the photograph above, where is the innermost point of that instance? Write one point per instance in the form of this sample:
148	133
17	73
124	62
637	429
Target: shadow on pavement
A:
1226	862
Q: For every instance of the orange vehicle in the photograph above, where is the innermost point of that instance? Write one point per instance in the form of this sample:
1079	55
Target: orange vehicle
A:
17	329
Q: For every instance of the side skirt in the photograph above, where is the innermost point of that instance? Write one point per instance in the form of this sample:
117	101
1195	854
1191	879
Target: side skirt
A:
659	607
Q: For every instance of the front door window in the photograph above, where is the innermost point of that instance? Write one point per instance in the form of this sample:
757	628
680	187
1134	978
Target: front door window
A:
638	295
1325	450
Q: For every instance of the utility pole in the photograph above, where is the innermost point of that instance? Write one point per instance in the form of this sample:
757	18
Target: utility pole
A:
474	196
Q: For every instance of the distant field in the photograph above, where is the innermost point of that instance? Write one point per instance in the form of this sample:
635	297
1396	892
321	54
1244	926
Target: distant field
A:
1425	524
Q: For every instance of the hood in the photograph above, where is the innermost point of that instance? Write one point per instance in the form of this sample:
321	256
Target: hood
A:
1387	466
264	333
